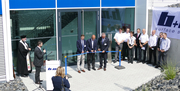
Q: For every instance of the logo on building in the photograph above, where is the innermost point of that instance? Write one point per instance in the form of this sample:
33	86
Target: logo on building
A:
167	20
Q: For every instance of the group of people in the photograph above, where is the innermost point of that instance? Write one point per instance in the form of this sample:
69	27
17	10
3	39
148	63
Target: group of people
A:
128	42
24	66
91	46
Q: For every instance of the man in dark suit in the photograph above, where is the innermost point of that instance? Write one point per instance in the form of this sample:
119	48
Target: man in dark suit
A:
91	46
81	48
103	45
38	61
158	48
137	45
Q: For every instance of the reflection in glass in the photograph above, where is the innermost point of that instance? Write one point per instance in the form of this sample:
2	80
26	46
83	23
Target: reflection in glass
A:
36	25
114	18
69	33
90	24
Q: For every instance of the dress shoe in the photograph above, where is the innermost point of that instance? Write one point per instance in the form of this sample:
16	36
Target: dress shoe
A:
135	58
114	61
131	62
89	69
83	70
94	69
99	68
104	69
38	82
41	81
157	66
154	64
138	61
79	71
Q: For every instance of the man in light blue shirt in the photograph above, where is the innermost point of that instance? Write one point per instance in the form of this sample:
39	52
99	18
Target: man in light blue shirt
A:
164	47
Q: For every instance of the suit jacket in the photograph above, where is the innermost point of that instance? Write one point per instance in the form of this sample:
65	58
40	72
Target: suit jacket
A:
137	39
38	57
79	46
89	45
158	42
103	46
57	81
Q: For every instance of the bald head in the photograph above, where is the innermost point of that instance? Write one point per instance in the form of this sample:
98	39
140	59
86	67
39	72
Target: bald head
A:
103	35
153	32
93	37
144	31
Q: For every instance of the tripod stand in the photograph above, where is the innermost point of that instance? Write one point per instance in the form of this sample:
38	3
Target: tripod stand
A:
38	88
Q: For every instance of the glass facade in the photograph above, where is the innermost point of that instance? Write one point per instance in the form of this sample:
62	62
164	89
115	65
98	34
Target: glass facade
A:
74	23
36	25
41	25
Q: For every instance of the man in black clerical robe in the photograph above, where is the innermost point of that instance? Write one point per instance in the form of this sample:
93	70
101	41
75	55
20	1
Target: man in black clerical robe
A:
23	60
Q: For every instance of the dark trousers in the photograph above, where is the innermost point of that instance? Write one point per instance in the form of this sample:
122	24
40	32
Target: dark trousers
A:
125	50
152	52
137	50
159	58
131	51
103	56
162	59
37	74
91	58
143	52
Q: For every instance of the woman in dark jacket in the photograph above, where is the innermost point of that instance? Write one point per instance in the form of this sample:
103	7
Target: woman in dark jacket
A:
57	80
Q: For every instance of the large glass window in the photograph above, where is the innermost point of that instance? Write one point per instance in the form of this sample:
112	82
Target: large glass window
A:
114	18
36	25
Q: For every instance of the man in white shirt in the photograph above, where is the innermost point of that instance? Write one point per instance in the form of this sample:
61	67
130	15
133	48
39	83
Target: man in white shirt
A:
119	39
143	40
131	42
164	47
152	47
125	46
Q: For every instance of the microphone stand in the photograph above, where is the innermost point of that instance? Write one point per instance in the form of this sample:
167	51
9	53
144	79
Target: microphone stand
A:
39	88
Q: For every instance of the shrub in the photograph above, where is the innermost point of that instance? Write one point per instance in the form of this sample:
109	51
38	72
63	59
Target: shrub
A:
170	70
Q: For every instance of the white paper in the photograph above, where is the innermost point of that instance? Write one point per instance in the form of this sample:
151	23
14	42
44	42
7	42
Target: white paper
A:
105	44
84	45
143	48
152	48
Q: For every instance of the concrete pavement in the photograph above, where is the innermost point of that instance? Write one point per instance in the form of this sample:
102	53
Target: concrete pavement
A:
112	79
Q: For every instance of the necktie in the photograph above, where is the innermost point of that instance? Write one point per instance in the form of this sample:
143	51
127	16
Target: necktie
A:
102	41
82	43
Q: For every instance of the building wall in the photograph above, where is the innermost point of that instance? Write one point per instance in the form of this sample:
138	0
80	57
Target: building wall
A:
2	58
140	14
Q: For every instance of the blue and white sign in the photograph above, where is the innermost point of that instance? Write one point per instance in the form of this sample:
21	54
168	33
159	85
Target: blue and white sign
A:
51	67
166	20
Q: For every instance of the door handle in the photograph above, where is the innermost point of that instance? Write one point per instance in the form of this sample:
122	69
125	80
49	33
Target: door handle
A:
59	38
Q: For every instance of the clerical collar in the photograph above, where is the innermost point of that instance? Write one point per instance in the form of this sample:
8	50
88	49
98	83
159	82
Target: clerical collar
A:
39	47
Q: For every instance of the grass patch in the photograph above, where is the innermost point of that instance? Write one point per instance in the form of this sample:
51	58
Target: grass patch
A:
144	88
170	70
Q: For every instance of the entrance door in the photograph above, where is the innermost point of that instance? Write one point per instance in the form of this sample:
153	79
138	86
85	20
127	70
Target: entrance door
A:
71	24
